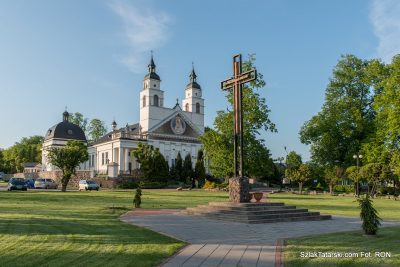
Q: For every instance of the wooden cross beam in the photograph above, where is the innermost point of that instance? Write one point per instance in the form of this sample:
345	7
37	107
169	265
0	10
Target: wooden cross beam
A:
239	78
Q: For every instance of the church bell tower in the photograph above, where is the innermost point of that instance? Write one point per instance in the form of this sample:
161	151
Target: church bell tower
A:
193	103
151	98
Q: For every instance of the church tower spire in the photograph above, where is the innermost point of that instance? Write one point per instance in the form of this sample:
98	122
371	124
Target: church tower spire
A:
152	66
193	102
152	70
151	97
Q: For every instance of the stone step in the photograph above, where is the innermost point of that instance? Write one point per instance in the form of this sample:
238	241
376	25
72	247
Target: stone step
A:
252	204
207	209
274	220
249	208
257	217
264	212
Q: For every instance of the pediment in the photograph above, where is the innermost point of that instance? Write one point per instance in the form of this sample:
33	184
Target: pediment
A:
176	125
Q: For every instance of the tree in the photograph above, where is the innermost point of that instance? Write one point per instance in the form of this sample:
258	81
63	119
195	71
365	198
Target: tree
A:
152	163
179	167
218	142
26	150
346	119
96	129
293	160
375	173
199	169
300	175
369	216
93	129
353	173
188	170
2	162
78	119
67	158
387	107
333	175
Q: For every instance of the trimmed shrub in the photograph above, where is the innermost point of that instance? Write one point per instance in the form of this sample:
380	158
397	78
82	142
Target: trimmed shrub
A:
209	185
128	185
137	201
152	185
348	189
369	216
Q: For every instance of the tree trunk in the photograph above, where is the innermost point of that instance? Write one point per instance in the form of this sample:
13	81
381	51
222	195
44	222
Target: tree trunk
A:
300	187
64	182
372	194
331	189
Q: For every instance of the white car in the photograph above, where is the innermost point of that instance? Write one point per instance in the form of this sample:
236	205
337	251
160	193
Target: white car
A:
88	185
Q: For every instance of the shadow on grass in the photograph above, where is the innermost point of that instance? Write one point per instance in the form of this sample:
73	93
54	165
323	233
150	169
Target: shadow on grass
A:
86	257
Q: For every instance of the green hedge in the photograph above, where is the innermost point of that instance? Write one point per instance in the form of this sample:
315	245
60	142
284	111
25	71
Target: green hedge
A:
344	189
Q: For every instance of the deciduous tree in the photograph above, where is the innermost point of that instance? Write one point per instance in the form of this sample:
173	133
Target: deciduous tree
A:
67	159
96	129
333	175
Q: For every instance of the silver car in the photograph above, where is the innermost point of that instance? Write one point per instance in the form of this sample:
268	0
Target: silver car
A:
88	185
45	183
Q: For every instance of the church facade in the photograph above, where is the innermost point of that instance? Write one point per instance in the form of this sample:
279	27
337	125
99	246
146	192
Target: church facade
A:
171	130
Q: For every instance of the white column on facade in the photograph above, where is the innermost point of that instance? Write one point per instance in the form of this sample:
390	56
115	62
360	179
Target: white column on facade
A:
120	159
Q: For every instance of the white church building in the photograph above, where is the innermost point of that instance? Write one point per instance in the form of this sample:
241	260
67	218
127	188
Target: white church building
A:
172	130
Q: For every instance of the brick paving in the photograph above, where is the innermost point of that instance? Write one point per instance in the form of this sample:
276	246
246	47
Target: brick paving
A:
222	243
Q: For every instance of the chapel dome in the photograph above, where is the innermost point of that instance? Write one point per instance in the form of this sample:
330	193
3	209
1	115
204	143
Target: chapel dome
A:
65	130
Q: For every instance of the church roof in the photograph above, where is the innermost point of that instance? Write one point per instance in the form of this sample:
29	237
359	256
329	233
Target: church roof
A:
65	130
133	129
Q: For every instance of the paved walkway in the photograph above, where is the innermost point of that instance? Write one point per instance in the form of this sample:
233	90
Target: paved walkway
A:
221	243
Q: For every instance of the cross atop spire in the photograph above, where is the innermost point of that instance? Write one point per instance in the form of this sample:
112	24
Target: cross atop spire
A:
152	66
193	75
192	79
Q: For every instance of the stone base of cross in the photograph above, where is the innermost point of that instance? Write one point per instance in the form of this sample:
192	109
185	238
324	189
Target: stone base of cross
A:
239	190
239	185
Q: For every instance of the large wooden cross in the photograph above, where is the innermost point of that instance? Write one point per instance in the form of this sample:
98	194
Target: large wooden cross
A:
236	82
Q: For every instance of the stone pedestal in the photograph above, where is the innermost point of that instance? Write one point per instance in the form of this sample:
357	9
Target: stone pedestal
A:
239	190
112	170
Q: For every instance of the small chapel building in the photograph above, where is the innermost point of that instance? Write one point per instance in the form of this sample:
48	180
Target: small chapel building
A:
170	129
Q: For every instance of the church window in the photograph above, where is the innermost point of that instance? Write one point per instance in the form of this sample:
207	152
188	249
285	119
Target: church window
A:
144	101
155	100
155	85
102	158
187	107
106	157
197	108
196	94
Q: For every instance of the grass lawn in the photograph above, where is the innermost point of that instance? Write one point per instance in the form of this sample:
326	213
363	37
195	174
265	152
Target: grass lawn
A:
79	228
387	240
388	209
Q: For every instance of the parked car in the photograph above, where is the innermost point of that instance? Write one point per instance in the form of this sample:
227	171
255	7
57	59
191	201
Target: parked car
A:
17	184
30	183
88	185
45	183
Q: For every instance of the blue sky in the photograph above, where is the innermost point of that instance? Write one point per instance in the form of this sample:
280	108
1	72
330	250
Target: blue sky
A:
92	55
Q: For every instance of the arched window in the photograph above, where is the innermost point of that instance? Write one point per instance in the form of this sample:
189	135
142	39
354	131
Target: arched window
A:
197	107
187	107
144	101
155	100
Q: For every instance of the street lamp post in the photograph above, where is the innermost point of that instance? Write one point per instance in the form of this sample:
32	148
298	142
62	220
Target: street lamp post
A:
357	157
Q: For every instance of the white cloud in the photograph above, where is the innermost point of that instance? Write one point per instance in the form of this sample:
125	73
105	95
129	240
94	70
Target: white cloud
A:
385	18
145	29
